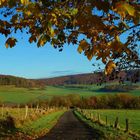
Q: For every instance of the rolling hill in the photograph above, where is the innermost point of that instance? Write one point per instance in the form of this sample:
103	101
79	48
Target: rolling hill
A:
93	78
86	79
18	81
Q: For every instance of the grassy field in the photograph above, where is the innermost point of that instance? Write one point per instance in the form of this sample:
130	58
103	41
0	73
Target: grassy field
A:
36	124
42	125
132	115
107	132
12	94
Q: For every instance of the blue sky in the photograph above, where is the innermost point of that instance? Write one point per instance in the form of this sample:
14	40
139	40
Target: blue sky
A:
26	60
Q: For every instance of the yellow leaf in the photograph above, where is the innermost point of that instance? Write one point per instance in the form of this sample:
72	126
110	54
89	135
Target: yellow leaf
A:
120	9
82	46
42	40
123	8
89	56
28	13
2	1
79	49
6	45
130	9
74	11
25	2
117	38
110	67
52	33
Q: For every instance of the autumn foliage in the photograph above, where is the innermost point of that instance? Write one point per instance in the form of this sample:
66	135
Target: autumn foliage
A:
20	82
95	26
118	101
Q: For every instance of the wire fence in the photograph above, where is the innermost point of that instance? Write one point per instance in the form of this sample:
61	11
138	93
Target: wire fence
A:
125	123
25	112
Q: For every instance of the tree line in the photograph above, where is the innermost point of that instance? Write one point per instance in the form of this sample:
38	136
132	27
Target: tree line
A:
108	101
95	78
19	82
116	101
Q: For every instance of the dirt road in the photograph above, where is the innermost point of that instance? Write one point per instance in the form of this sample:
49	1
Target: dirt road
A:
70	128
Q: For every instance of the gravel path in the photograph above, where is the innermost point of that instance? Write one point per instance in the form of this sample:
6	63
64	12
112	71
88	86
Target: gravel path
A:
71	128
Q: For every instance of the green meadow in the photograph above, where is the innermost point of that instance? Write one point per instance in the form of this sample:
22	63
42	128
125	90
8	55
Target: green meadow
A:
108	130
12	94
133	117
43	124
37	122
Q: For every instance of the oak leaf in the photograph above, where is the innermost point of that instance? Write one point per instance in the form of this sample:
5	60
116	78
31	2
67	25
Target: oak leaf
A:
110	67
10	42
83	46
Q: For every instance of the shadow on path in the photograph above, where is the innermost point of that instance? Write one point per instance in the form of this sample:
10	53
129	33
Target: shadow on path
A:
70	128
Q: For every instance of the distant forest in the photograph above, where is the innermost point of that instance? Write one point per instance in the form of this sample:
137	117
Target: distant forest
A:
94	78
19	82
89	78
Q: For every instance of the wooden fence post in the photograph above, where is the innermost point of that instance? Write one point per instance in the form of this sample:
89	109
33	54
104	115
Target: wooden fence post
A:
116	122
127	125
26	111
37	108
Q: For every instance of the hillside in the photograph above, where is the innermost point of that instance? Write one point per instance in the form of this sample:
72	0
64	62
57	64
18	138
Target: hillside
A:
88	78
93	78
18	81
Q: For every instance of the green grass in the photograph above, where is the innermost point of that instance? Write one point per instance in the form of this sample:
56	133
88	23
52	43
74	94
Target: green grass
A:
34	125
132	115
68	90
42	125
135	92
12	94
106	132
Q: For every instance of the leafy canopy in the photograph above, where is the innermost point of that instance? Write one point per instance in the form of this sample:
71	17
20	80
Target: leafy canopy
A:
102	22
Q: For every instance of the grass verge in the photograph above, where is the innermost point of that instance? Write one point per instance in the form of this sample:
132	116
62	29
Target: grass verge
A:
110	133
41	126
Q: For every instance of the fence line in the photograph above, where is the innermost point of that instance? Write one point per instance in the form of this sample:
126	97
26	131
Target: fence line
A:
97	117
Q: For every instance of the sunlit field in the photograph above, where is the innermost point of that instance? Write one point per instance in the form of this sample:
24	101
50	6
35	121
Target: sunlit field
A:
33	122
12	94
133	117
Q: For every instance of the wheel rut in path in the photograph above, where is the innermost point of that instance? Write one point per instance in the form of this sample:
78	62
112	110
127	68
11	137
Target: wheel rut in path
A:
70	128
